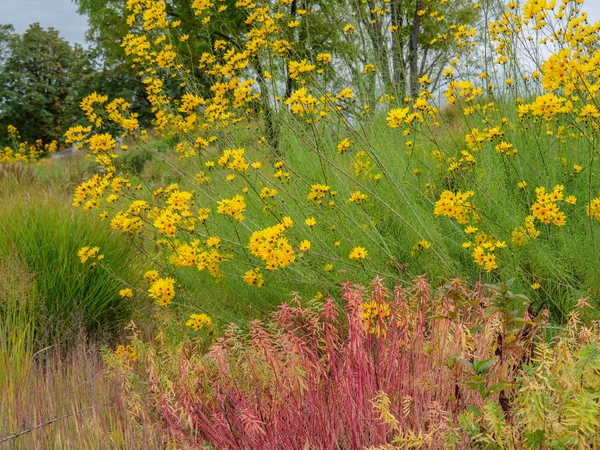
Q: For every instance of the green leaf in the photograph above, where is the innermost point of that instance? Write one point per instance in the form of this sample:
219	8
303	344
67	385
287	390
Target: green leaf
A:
535	439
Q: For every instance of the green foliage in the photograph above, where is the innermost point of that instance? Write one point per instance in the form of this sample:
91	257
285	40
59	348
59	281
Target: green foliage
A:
47	235
42	81
555	399
17	321
134	161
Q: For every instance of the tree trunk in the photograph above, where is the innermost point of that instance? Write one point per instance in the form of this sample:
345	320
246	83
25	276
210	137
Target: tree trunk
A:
289	83
398	63
271	125
414	49
381	52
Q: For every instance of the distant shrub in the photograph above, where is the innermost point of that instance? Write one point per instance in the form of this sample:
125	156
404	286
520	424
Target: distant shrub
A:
134	161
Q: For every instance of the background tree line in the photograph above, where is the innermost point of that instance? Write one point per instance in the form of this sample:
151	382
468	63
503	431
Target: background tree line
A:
43	78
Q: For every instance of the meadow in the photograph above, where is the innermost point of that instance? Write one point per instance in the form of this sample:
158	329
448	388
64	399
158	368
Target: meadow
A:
302	254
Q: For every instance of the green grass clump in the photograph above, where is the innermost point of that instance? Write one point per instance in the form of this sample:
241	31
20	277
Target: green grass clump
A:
47	233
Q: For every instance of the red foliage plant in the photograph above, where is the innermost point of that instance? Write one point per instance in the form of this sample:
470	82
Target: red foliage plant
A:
377	367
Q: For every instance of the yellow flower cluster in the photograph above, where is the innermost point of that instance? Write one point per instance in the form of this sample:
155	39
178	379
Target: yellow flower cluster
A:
89	253
254	277
272	246
522	234
126	352
318	192
126	293
396	117
358	198
343	145
162	291
421	245
199	321
593	209
126	224
23	151
192	254
233	207
234	159
87	106
297	68
546	209
456	206
484	248
373	315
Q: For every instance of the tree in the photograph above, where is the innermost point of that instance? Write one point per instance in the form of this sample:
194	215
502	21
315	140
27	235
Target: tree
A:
412	38
42	79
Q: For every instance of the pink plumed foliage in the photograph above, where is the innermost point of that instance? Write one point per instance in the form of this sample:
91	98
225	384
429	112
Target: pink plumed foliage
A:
307	379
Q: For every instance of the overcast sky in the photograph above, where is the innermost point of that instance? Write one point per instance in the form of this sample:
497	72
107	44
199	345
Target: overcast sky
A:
62	15
59	14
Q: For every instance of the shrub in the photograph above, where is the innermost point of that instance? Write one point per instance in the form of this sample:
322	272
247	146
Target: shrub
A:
133	161
381	367
555	403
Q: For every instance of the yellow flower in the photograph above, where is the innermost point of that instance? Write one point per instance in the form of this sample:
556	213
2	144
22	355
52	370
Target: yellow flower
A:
254	278
571	199
357	198
233	207
373	315
126	352
593	209
396	116
358	253
271	245
126	293
343	146
151	275
311	222
304	245
213	241
86	254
